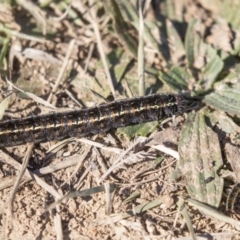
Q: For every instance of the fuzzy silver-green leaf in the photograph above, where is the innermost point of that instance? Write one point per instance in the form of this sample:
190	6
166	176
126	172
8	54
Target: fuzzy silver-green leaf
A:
200	160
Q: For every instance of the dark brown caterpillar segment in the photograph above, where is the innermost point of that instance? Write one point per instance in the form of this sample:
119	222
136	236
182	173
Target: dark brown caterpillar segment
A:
233	199
56	126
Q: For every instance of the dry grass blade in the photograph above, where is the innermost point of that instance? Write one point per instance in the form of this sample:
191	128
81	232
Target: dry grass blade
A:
95	26
90	52
9	209
213	212
63	68
14	51
109	197
100	145
137	210
79	165
60	145
4	105
36	12
184	212
148	180
141	52
32	96
21	35
40	55
83	193
58	224
57	218
117	163
64	15
78	185
28	174
167	150
100	162
68	162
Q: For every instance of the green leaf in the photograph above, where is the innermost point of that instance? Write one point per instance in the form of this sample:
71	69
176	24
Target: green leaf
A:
225	98
151	28
121	27
174	39
158	160
224	122
190	43
3	51
172	9
211	71
142	129
236	45
118	62
176	78
132	197
200	160
230	12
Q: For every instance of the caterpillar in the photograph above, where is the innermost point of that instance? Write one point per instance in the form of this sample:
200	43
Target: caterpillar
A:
97	119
